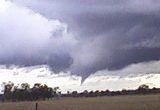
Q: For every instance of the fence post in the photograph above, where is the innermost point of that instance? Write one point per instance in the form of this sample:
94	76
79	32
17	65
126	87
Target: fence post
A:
36	106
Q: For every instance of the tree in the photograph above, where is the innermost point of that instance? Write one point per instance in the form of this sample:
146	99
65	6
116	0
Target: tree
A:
25	86
25	93
74	94
143	86
8	89
56	92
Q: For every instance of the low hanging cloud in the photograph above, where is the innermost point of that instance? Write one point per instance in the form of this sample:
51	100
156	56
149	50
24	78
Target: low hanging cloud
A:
28	38
70	36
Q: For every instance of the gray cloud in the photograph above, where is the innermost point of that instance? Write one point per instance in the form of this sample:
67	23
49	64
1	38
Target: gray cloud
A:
28	39
94	35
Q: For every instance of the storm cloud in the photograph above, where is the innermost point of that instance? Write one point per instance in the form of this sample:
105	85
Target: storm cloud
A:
82	37
28	39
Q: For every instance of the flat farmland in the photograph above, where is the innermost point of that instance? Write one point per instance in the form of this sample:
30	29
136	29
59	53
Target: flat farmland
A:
136	102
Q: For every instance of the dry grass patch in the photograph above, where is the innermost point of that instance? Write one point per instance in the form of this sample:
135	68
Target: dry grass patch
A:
136	102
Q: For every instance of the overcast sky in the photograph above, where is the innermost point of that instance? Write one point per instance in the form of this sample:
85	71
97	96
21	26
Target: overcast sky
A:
81	37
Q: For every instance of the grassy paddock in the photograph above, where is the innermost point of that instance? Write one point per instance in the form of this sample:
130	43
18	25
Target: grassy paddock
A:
136	102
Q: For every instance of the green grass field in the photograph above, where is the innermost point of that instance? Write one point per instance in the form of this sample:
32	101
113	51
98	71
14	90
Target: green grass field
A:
137	102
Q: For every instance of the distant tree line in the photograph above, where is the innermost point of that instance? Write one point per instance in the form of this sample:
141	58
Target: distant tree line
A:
25	93
142	89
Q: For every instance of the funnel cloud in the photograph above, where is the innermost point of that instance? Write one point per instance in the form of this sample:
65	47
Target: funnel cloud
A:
81	37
